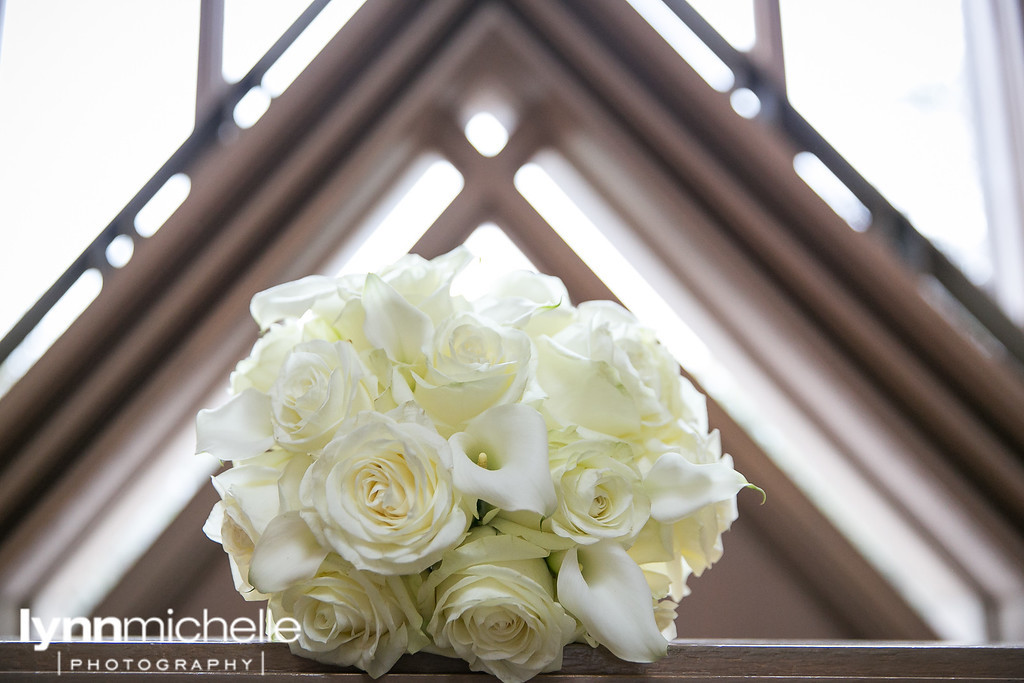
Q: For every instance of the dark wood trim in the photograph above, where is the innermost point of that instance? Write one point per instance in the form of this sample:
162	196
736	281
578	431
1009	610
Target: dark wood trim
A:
686	660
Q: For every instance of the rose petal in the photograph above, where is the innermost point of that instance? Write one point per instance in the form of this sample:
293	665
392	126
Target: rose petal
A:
585	392
238	430
286	552
678	487
516	476
392	323
289	300
608	593
454	403
254	489
214	522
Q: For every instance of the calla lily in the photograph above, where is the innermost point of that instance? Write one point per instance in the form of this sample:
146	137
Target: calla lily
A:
678	488
238	430
392	323
607	591
289	300
502	459
286	552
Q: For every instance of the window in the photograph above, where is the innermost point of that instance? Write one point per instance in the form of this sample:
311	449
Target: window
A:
99	107
924	120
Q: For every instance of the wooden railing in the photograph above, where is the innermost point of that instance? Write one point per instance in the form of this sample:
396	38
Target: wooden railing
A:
686	660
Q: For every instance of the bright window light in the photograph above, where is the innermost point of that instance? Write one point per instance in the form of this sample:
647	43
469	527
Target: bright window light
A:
403	217
684	41
162	204
734	19
251	107
50	328
492	245
486	133
830	188
745	102
901	116
250	28
496	255
96	96
309	44
120	250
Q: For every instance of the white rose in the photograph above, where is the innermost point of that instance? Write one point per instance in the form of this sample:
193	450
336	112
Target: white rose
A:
492	604
229	527
698	537
260	369
667	589
471	367
648	359
600	493
665	570
427	284
665	617
319	386
672	552
381	496
607	373
249	500
351	618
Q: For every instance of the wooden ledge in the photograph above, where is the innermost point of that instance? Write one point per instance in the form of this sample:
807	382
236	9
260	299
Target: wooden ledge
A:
686	660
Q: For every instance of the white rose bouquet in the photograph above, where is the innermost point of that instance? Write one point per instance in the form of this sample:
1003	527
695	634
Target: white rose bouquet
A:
488	478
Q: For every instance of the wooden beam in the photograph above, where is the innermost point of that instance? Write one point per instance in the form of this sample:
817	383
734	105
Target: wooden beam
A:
686	660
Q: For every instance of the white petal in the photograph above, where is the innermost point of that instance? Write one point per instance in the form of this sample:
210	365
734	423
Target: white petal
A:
291	477
513	524
585	392
608	593
392	323
215	522
678	487
286	552
254	490
289	300
516	476
239	429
